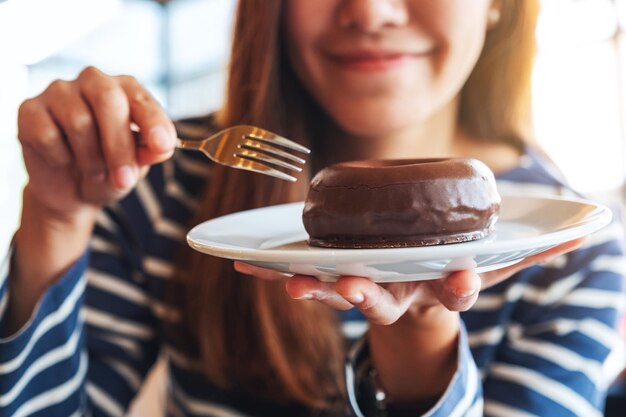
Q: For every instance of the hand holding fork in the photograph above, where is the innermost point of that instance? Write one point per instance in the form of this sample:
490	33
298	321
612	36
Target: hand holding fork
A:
249	148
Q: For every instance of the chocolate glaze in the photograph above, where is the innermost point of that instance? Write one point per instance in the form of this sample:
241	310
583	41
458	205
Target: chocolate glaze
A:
400	203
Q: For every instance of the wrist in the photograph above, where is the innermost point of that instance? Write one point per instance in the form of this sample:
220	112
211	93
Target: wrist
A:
74	217
368	395
57	239
416	357
46	245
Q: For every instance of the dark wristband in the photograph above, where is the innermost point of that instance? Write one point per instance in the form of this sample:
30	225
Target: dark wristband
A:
366	396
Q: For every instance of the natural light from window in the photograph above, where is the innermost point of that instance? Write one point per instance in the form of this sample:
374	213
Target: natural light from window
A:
578	84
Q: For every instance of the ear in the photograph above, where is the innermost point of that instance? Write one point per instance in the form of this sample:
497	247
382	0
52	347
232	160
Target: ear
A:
494	14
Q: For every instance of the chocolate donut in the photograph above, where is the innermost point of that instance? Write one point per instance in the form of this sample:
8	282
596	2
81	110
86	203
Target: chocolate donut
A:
401	203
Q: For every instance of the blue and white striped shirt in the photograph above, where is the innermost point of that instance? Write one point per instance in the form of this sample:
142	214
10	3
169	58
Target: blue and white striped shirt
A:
533	345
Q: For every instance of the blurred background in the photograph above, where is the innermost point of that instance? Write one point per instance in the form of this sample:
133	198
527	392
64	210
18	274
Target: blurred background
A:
179	48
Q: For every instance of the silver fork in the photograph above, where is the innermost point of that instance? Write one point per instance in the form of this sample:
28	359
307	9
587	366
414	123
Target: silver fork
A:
246	147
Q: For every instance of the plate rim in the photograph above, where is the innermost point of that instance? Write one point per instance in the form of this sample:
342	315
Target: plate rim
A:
599	217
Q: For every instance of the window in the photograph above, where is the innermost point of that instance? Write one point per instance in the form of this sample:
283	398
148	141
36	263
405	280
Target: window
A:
179	51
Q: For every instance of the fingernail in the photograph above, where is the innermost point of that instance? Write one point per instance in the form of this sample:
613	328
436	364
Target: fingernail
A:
465	293
356	298
306	296
243	268
98	177
125	176
160	140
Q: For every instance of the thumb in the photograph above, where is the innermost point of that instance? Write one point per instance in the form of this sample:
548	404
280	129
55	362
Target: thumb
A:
103	193
458	291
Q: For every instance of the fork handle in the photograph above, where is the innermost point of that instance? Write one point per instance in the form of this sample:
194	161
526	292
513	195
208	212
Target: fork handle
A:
180	143
188	144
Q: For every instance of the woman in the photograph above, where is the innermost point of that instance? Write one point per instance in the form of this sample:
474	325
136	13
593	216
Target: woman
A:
353	80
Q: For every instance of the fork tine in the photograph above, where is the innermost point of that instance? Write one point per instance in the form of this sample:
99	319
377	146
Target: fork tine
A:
268	160
272	138
269	149
275	139
250	165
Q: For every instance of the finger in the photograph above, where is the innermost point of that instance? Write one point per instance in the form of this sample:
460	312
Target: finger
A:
157	130
105	195
376	303
304	287
550	254
458	291
38	132
494	277
263	273
79	128
110	106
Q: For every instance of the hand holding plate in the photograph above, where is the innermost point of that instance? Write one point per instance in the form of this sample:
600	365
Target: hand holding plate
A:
385	303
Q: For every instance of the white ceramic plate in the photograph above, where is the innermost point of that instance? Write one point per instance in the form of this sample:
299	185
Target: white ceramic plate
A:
274	237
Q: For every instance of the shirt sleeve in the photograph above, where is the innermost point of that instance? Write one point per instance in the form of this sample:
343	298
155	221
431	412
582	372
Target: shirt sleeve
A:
553	353
43	365
91	339
462	397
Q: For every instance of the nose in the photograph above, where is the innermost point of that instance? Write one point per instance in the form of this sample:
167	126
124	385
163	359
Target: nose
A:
370	16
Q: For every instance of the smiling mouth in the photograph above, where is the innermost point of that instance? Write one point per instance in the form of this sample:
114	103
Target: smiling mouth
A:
373	62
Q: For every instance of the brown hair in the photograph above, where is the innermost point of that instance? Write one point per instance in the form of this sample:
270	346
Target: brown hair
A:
495	100
250	334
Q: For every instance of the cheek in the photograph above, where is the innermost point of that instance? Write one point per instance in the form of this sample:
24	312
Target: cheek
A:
459	58
459	28
464	33
305	22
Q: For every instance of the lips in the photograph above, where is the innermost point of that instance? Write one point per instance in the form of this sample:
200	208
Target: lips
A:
372	61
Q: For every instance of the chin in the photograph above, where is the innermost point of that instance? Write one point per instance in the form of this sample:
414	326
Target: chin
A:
373	122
